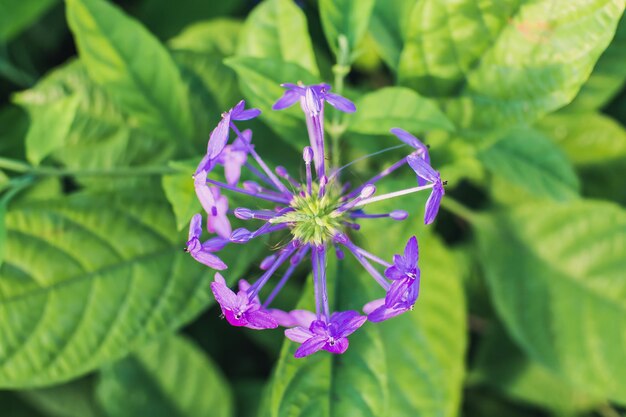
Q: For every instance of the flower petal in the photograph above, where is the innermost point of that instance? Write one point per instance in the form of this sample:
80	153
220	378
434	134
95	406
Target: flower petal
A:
210	260
340	103
219	137
340	346
298	334
411	252
395	292
310	346
247	114
373	305
383	313
393	272
223	295
432	204
260	319
204	194
289	98
422	169
195	226
350	326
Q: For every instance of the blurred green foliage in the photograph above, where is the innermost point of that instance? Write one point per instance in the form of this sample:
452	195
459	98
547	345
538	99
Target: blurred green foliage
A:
105	110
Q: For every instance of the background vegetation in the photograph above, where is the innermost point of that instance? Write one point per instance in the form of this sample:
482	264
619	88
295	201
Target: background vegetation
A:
105	111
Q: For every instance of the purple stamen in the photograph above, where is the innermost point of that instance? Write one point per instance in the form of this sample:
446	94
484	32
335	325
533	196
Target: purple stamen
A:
307	155
247	214
263	196
345	241
256	287
394	194
282	172
378	177
318	256
366	192
267	262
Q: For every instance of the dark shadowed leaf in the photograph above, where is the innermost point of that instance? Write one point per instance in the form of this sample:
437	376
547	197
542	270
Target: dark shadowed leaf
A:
388	26
170	377
17	15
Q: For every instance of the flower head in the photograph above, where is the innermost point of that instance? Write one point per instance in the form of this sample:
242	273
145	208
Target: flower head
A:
315	218
241	309
331	336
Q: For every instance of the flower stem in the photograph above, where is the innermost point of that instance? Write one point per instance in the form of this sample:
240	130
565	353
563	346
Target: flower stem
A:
459	209
340	70
23	167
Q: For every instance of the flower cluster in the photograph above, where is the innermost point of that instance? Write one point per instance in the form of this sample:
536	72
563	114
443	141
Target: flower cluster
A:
316	214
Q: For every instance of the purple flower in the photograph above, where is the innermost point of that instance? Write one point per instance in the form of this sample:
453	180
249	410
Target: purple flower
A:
219	136
217	222
238	309
202	252
425	171
312	217
405	274
313	96
331	336
234	156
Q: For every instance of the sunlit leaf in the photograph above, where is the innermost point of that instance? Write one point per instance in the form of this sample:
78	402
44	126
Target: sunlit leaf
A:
349	18
388	26
556	274
153	94
390	107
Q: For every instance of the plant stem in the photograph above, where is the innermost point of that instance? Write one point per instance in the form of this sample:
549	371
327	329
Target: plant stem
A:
23	167
341	69
459	209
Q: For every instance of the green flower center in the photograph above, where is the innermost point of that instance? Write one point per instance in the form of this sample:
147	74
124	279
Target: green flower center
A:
314	219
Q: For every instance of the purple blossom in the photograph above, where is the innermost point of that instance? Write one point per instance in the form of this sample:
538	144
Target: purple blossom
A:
239	309
313	218
425	171
203	252
331	336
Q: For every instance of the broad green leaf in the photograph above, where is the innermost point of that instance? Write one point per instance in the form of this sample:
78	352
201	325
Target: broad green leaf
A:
140	75
608	76
587	138
503	367
537	64
50	125
260	81
202	48
180	192
388	25
556	275
101	137
528	159
390	107
277	30
446	39
170	377
74	399
4	181
219	36
17	15
3	232
349	18
87	278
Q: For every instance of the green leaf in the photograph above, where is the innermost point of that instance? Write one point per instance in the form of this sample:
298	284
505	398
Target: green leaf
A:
219	36
277	30
140	75
586	138
556	275
180	192
170	377
50	125
349	18
388	26
503	367
536	64
101	135
87	278
389	107
528	159
260	81
608	76
445	40
17	15
74	399
3	232
201	48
